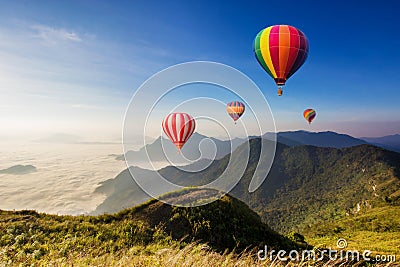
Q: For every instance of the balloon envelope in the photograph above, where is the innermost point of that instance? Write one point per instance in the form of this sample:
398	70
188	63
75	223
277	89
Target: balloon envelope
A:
178	127
309	115
235	109
281	50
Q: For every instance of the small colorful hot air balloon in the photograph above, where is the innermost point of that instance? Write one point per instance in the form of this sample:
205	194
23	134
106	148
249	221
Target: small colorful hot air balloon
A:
281	50
235	109
309	114
179	127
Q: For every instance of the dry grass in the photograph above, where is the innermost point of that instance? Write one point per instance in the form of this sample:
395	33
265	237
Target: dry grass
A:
197	255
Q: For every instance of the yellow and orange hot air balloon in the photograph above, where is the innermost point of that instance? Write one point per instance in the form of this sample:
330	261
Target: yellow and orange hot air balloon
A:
235	109
309	114
281	50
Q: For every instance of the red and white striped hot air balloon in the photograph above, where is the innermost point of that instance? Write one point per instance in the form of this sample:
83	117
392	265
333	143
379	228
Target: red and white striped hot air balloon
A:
178	127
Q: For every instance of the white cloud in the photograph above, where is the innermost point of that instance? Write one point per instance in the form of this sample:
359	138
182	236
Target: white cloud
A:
66	177
51	35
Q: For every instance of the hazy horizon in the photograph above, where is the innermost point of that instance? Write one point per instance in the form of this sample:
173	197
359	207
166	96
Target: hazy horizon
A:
69	168
72	137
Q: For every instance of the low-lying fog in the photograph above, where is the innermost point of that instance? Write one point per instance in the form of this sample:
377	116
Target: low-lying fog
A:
65	177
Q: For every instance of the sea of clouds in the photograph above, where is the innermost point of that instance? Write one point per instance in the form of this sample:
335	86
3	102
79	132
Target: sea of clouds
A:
66	176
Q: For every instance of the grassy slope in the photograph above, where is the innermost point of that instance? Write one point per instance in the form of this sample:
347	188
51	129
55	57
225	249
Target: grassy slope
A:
376	229
30	237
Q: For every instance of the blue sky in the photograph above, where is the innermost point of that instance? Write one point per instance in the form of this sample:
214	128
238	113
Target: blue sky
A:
72	66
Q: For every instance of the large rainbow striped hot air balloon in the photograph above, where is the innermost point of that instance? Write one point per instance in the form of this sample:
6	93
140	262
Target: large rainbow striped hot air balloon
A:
281	50
309	114
179	127
235	109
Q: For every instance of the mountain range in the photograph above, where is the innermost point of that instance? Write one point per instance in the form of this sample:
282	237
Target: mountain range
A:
390	142
321	139
202	147
306	185
197	147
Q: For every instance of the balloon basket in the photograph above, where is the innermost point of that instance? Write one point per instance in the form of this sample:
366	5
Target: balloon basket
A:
280	91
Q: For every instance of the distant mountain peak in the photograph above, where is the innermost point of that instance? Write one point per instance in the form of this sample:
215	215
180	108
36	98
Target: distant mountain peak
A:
321	139
390	142
19	169
163	150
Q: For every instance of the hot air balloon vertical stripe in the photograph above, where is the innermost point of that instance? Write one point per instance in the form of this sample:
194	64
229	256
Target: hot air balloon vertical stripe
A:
166	128
173	126
180	125
187	127
284	49
191	126
186	130
171	120
265	52
274	49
